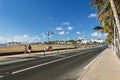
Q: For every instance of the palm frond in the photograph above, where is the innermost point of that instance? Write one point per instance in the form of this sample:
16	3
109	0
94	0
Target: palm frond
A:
98	28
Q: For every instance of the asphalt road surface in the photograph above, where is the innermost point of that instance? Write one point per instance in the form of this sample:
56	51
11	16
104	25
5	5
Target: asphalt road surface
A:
67	66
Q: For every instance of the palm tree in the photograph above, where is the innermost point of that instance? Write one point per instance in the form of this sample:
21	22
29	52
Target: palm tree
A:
108	14
99	28
104	30
115	13
116	16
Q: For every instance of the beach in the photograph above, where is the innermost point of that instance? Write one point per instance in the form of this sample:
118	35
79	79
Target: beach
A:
35	47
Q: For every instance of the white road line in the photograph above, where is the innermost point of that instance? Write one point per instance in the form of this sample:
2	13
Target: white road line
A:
15	61
47	63
22	60
1	76
90	64
63	52
53	54
92	61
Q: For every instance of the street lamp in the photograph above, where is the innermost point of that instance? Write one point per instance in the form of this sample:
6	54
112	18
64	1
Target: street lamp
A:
49	34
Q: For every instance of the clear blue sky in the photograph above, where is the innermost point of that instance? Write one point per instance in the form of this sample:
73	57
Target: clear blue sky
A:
67	19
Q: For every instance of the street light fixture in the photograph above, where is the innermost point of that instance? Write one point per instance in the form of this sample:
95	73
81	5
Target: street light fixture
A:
49	34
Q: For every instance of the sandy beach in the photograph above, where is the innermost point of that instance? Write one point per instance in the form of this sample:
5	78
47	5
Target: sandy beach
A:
21	48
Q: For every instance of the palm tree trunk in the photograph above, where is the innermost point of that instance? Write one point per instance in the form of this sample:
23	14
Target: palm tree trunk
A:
117	39
115	13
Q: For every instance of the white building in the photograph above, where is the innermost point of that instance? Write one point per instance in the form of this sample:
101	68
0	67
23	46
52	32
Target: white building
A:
92	40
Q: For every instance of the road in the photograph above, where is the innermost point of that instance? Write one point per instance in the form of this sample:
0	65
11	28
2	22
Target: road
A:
67	66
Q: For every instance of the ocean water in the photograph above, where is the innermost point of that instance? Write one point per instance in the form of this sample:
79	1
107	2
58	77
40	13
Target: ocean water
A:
3	44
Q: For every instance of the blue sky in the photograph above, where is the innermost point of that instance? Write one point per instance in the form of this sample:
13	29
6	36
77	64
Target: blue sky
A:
30	20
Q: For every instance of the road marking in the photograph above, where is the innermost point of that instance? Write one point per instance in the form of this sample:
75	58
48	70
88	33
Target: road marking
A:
15	61
47	55
60	56
92	61
1	76
89	65
15	72
62	52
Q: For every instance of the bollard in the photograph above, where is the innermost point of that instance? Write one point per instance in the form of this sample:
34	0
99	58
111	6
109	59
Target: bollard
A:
44	54
57	52
66	50
75	49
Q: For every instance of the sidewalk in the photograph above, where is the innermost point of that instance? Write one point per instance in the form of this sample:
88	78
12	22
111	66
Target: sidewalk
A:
106	67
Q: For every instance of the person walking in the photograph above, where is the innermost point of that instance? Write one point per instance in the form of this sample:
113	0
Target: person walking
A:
25	49
29	48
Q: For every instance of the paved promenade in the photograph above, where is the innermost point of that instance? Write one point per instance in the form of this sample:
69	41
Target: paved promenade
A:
105	67
25	57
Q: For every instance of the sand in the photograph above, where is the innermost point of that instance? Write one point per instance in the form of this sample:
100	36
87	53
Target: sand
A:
20	48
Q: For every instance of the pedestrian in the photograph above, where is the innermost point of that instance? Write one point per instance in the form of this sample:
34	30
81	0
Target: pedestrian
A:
29	48
25	49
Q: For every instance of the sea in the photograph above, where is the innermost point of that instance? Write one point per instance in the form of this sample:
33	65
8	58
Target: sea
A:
3	44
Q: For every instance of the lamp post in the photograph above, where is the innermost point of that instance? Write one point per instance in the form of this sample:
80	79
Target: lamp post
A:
49	34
